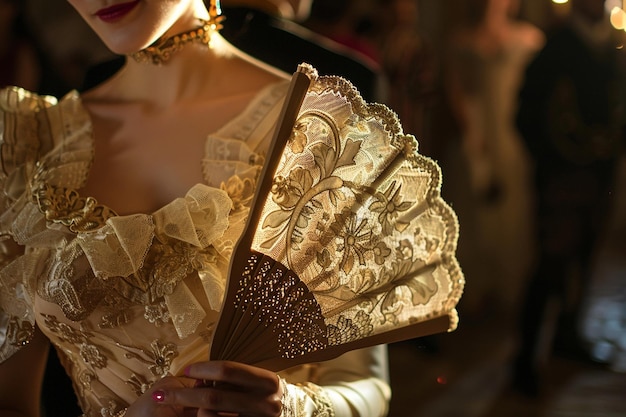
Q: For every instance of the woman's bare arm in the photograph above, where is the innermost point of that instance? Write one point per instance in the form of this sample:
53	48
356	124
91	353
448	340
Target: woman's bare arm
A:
21	377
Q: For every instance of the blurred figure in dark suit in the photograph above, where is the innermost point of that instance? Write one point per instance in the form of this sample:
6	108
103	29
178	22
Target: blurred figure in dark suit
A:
270	31
571	116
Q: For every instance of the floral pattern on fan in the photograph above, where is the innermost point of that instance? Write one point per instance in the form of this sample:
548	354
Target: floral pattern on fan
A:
355	219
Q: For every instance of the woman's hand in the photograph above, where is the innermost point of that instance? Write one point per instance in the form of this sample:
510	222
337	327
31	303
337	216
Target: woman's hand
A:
147	406
227	388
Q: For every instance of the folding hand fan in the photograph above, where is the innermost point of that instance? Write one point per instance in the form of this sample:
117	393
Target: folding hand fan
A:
348	243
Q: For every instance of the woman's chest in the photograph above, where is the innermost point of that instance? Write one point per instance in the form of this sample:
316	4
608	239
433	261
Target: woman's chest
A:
145	159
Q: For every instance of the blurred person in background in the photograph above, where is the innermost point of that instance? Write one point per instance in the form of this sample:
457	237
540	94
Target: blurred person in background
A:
572	119
272	31
485	62
603	307
338	20
409	63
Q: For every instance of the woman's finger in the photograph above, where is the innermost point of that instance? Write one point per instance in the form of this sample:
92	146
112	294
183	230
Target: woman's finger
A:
222	400
146	405
247	377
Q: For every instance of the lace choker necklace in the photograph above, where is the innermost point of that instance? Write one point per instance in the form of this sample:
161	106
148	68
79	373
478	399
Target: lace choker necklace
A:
161	50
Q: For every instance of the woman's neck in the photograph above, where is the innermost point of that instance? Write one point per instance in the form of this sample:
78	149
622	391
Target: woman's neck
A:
190	72
194	73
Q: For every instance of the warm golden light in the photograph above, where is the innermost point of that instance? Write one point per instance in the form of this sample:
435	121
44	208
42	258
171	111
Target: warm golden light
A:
618	18
559	1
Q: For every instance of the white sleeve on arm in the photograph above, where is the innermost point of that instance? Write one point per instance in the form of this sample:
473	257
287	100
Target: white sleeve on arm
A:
354	385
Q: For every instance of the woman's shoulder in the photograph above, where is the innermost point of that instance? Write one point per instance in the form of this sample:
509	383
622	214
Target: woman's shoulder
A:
15	99
22	103
30	109
251	74
32	124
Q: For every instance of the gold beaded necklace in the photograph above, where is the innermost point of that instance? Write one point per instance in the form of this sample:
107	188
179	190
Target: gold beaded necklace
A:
161	50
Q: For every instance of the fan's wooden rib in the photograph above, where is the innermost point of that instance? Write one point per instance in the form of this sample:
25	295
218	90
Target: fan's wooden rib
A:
295	96
248	317
425	328
262	330
298	88
246	314
236	317
251	326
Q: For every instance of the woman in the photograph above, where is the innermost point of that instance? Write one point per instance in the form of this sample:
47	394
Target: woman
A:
132	144
487	59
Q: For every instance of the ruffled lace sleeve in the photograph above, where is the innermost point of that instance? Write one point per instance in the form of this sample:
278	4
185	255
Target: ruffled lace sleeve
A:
21	143
356	384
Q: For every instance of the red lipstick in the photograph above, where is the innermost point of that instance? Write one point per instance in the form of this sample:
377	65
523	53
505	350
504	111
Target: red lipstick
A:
116	12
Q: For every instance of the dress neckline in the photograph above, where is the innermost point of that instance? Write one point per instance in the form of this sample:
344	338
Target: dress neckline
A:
85	213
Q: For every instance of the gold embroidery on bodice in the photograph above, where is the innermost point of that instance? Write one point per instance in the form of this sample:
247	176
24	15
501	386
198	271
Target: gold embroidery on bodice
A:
96	279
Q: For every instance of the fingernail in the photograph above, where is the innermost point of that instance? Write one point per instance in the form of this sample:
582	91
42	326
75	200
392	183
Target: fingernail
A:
158	396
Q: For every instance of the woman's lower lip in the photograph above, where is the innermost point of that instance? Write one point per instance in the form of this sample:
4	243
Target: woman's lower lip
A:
114	13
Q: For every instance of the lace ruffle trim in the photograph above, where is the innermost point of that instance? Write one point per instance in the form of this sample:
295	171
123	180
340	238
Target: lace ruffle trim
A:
40	188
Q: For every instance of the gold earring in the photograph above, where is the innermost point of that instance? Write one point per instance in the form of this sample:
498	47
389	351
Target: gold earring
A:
215	15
